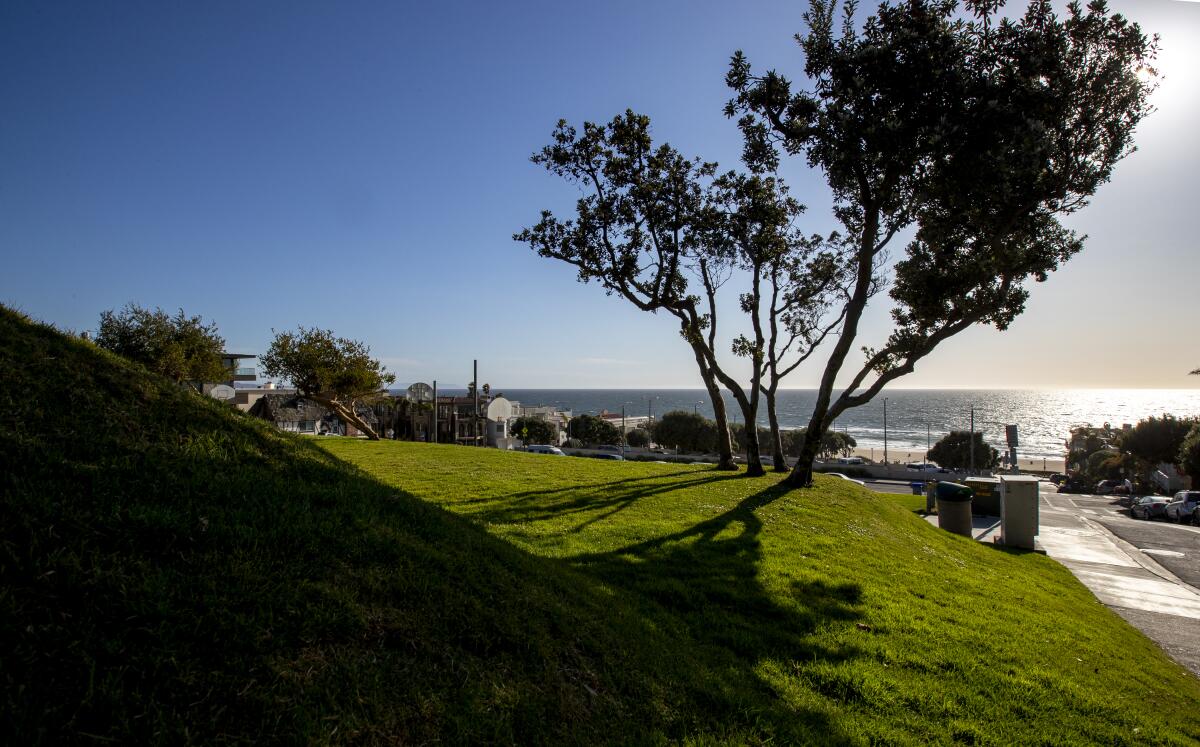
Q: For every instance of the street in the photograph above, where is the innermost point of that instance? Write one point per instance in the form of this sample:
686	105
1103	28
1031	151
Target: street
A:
1176	547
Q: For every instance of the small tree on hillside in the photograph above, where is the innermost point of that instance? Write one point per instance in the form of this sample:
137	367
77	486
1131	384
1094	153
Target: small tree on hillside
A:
533	431
953	451
182	348
332	371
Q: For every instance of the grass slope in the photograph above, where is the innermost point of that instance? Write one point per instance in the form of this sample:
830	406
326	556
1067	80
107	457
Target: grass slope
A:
837	607
173	571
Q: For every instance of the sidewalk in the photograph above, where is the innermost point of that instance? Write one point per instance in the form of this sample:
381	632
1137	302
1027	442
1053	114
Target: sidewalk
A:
1133	585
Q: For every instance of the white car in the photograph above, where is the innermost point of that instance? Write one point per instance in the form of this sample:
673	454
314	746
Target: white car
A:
543	449
844	477
924	467
1183	506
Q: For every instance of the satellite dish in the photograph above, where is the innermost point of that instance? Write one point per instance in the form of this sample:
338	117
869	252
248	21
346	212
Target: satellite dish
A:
419	392
223	392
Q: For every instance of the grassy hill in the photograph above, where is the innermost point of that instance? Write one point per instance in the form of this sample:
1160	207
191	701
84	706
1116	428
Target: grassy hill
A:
172	571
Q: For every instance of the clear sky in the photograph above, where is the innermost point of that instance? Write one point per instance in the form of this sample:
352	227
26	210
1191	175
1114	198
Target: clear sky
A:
363	166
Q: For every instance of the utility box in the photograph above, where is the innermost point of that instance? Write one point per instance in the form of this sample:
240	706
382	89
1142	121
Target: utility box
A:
987	495
1018	511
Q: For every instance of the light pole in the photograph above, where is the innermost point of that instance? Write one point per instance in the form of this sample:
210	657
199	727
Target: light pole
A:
885	454
972	441
927	441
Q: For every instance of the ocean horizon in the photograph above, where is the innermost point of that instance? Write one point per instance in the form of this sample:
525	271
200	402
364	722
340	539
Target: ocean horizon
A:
915	416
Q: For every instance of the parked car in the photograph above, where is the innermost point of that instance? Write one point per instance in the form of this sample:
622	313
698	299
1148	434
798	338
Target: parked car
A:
610	457
1183	506
850	460
544	449
1149	507
845	477
925	467
1058	478
1075	485
1107	487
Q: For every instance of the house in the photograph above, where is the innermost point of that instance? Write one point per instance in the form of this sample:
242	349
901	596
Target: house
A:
295	414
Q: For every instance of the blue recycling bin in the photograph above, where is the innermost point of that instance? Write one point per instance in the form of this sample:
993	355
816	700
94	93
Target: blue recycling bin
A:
918	488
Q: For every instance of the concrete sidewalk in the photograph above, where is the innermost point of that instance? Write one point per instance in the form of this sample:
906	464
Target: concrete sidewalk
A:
1133	585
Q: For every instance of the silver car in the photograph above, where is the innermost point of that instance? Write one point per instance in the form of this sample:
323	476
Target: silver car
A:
1183	506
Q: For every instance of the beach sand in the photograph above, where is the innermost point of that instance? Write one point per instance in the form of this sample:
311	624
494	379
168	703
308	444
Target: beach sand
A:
904	456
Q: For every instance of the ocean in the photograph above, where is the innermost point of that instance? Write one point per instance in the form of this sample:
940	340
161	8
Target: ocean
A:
1044	418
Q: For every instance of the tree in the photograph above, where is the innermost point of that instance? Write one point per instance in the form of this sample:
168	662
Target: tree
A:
833	443
1188	458
638	437
594	430
637	231
953	451
332	371
974	132
533	431
1154	441
182	348
686	431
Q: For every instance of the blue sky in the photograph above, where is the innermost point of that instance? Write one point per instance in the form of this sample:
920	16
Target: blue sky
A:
362	167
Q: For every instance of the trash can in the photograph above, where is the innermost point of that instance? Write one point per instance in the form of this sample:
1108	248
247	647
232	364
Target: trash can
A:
918	488
954	507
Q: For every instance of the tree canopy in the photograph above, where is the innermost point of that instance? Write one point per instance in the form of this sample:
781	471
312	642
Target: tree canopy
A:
180	347
975	132
685	431
334	371
1156	440
533	431
593	430
953	451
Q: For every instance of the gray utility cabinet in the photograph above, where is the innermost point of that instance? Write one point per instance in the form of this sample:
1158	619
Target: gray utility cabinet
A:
1018	510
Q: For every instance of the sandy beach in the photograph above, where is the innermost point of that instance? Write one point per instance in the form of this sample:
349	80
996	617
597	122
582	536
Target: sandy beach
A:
904	456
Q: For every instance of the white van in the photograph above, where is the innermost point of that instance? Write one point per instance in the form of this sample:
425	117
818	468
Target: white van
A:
544	449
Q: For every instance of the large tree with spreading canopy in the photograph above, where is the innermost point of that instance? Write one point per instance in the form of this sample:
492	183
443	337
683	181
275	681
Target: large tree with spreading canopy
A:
971	131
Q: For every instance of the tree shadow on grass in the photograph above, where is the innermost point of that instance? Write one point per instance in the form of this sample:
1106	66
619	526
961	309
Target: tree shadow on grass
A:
598	501
703	584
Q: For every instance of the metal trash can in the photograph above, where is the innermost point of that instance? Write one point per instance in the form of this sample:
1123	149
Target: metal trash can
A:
918	488
954	507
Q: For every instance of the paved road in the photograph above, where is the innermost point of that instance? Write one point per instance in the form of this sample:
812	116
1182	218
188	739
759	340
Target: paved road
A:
1176	547
1139	569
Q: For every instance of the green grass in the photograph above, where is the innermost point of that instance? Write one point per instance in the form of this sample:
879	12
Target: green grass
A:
172	571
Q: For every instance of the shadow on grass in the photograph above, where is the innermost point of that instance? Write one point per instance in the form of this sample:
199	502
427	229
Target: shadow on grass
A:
703	584
604	500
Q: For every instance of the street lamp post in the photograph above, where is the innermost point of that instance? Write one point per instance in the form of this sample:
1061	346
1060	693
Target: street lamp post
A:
885	454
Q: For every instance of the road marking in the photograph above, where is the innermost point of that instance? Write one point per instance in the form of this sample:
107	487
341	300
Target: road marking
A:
1164	553
1091	511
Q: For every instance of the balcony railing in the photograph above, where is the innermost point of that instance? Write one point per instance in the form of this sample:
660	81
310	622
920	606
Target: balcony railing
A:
243	372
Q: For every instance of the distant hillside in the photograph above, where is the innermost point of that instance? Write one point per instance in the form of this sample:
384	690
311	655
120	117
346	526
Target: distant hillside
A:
172	571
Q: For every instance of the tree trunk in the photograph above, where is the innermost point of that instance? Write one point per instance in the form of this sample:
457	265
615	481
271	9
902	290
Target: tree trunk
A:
754	466
777	455
802	473
724	442
347	414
